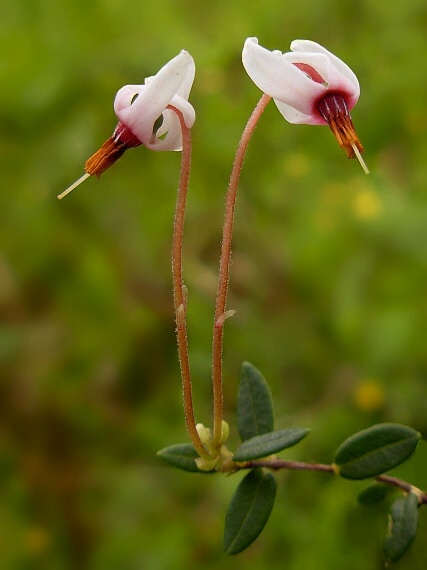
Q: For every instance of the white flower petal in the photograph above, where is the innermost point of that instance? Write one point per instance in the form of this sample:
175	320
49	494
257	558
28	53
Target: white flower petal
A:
342	83
187	83
186	109
168	136
279	78
174	78
317	61
335	80
305	46
126	95
296	117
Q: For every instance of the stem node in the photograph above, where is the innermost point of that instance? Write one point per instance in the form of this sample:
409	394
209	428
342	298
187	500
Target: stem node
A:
222	318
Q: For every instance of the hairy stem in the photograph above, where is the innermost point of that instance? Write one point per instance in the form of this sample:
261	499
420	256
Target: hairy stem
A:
224	269
179	290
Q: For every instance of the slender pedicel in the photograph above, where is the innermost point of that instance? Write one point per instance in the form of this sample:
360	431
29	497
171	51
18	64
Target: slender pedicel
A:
180	291
224	269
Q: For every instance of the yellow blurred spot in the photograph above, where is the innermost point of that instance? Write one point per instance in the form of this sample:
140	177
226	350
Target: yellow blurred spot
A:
367	204
36	540
369	396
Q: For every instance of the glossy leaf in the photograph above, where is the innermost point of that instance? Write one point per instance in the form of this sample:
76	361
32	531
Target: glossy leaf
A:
402	527
255	414
375	450
182	456
268	443
249	510
374	494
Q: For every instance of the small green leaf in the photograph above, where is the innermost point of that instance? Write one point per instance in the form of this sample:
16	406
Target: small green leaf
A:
375	450
182	456
254	404
249	510
402	528
374	494
268	443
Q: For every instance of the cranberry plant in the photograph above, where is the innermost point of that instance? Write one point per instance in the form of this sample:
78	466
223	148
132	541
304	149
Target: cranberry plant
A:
309	85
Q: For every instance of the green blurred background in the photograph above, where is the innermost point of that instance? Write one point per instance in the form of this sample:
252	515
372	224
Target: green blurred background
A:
328	279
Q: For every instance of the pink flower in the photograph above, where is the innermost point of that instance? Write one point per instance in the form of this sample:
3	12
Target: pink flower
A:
147	116
139	107
309	85
144	116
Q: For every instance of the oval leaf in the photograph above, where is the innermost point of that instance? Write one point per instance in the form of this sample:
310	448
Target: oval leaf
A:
374	494
249	510
254	404
268	443
375	450
402	527
182	456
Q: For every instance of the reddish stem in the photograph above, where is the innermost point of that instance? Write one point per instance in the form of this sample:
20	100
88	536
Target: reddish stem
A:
180	297
224	268
277	464
404	486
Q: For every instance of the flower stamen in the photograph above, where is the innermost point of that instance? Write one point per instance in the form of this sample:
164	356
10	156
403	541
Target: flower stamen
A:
105	157
121	140
334	110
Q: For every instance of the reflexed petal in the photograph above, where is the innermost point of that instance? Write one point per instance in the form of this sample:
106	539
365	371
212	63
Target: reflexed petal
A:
323	65
126	95
171	128
185	87
304	46
341	82
186	109
154	97
279	78
317	61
